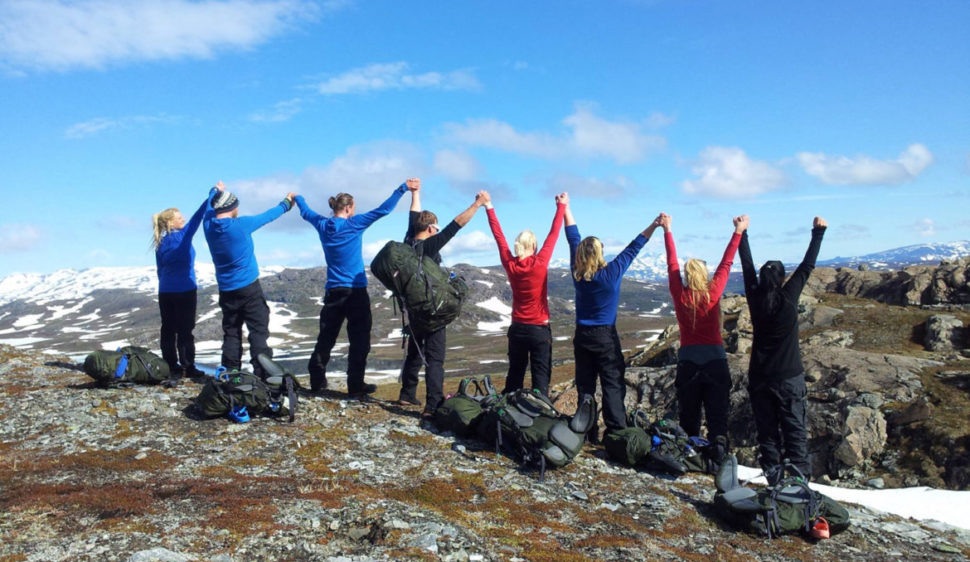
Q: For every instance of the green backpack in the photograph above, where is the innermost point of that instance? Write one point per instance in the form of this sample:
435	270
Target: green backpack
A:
528	425
126	367
431	297
461	412
226	391
790	506
660	445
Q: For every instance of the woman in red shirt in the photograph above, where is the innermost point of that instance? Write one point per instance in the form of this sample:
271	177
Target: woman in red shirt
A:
703	376
530	339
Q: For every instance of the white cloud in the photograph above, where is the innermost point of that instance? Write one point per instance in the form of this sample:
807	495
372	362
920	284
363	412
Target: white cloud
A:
59	35
457	165
727	172
863	170
19	238
98	125
370	249
588	136
281	111
925	227
395	76
460	247
369	172
581	187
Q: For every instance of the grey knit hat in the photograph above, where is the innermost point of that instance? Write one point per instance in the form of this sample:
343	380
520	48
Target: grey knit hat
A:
224	202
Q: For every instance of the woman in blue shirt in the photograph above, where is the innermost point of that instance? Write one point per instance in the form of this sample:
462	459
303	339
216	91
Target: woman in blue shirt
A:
596	344
177	288
345	295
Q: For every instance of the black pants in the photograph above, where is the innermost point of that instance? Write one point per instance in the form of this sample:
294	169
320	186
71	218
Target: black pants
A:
339	303
779	415
246	305
529	342
707	386
598	355
433	347
178	321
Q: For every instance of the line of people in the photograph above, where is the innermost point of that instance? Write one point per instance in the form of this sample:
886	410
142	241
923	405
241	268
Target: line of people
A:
703	379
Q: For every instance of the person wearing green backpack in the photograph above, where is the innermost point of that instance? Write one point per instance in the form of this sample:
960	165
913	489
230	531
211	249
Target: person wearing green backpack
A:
428	348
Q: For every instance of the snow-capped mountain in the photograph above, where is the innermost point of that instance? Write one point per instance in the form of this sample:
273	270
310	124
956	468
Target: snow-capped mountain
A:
645	267
917	254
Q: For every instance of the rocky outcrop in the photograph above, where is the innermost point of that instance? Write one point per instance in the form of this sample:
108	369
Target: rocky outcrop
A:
945	283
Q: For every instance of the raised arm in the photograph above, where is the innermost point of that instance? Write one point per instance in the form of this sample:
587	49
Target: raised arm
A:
720	278
673	266
800	276
415	189
256	222
545	253
194	222
747	265
307	213
466	215
504	254
366	219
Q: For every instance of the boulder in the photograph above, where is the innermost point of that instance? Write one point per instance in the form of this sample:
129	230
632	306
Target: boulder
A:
863	435
944	332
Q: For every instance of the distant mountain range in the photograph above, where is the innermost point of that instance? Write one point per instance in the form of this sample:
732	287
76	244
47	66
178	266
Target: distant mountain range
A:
73	312
897	258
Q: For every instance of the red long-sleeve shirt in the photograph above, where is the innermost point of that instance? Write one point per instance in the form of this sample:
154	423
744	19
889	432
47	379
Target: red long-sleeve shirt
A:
700	325
528	276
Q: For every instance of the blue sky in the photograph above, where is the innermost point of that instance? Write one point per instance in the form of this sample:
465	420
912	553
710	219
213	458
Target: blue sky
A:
855	111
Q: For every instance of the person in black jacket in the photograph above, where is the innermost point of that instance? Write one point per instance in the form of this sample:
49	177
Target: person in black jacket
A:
425	235
776	378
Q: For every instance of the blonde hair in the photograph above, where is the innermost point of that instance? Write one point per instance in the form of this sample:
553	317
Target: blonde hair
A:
698	285
525	242
162	225
588	259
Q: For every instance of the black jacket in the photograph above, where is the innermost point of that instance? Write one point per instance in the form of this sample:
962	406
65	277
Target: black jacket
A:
774	312
430	246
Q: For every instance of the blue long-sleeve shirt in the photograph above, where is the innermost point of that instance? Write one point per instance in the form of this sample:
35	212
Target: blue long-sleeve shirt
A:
231	244
598	298
342	240
175	257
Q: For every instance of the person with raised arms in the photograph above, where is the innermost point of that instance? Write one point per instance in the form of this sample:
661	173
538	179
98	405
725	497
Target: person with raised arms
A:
596	344
530	338
703	377
428	239
177	287
776	376
230	239
345	296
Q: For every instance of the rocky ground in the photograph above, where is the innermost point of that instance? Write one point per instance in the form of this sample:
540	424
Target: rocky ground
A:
129	474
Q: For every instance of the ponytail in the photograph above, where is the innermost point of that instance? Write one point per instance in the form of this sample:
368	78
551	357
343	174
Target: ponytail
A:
162	225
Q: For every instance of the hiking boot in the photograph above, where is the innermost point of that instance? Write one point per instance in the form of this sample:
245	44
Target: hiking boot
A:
363	390
408	402
194	373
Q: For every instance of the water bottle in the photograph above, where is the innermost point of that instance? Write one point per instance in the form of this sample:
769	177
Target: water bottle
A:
655	442
122	367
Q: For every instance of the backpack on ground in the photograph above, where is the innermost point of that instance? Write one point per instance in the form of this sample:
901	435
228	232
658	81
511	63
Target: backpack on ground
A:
528	425
431	298
660	445
461	412
126	367
790	506
230	393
